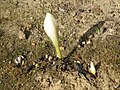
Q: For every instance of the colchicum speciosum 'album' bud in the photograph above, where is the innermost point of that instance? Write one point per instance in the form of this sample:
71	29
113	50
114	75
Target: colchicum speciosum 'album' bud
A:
50	28
92	69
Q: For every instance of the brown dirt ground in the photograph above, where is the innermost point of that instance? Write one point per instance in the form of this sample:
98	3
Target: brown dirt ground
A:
95	22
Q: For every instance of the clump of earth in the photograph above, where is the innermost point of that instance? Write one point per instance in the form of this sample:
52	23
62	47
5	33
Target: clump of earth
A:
89	31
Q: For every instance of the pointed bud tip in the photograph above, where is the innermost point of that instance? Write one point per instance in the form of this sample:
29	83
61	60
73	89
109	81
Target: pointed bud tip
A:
92	69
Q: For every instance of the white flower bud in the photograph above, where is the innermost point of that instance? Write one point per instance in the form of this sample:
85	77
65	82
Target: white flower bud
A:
92	69
50	28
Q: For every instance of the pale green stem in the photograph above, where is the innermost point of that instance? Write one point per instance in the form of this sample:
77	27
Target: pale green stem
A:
58	51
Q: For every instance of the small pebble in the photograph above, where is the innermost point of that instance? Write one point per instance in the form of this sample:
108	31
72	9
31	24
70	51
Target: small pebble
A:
21	35
53	62
111	32
9	62
46	56
36	65
33	44
77	61
58	82
73	14
83	42
31	18
62	48
88	42
23	62
77	40
91	36
62	10
49	58
18	60
78	46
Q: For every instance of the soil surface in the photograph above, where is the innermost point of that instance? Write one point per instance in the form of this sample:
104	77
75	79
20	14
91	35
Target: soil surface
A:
89	31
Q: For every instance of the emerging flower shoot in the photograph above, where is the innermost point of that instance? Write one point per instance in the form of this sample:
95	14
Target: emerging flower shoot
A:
50	28
92	69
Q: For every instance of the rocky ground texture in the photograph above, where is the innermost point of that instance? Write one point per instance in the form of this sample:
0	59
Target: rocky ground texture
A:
89	30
